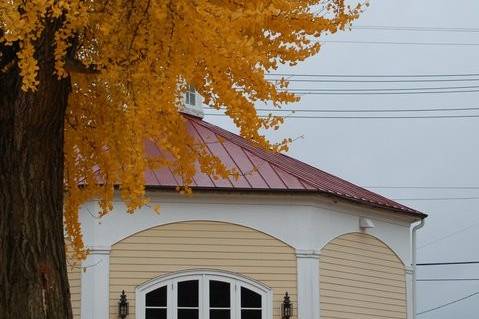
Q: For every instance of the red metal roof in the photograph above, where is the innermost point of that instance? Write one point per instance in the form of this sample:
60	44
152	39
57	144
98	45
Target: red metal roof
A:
261	170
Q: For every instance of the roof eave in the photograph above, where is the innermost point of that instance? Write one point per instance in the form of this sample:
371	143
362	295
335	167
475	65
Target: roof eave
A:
412	213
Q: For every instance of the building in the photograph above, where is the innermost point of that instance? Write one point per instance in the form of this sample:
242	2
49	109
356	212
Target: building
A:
236	247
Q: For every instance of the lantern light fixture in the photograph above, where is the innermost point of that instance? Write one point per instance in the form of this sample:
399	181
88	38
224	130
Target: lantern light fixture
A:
123	306
286	307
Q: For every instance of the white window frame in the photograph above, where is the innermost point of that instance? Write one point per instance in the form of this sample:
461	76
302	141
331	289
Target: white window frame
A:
192	109
236	281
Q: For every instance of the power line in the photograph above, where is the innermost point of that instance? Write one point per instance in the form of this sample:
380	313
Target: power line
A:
414	28
402	43
366	110
439	198
376	75
448	304
448	263
375	81
424	187
446	279
366	117
449	235
380	93
384	89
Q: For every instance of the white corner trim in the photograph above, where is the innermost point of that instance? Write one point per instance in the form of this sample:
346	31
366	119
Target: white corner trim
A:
308	284
95	284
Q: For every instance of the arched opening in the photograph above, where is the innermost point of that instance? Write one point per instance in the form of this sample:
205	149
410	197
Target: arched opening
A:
180	247
361	276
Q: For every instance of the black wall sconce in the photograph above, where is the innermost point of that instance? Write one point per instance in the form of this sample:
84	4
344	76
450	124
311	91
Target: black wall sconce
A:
286	307
123	306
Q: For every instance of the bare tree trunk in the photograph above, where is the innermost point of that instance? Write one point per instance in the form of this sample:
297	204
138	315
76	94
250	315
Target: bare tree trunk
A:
33	277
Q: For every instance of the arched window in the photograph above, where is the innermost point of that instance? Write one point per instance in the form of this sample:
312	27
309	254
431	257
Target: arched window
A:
203	295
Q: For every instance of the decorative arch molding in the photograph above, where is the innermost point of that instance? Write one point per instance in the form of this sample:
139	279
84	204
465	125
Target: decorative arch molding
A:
151	284
219	221
236	282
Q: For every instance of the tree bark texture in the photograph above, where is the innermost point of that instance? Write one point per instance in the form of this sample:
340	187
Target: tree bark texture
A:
33	277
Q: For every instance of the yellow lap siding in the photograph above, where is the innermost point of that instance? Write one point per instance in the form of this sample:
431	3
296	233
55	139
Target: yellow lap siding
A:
213	245
361	278
74	279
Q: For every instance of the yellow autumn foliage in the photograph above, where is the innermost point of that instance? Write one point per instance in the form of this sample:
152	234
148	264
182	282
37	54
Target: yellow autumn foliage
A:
138	56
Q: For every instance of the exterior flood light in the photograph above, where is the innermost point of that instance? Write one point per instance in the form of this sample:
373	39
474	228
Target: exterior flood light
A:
286	307
365	223
123	306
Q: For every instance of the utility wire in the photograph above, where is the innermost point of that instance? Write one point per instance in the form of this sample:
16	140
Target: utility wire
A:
459	231
330	110
374	81
376	75
424	187
448	304
413	28
449	263
447	279
439	198
380	93
459	44
366	117
384	89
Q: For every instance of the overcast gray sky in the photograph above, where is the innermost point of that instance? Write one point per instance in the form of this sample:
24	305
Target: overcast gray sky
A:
405	152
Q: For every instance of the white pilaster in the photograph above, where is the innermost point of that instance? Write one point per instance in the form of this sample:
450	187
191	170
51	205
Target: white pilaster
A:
308	284
95	284
409	292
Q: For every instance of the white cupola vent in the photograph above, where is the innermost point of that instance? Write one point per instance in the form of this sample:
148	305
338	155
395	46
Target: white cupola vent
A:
192	103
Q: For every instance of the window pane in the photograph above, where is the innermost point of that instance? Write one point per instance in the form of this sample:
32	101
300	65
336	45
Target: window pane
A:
250	314
219	294
193	98
188	293
187	313
156	298
155	314
219	314
250	299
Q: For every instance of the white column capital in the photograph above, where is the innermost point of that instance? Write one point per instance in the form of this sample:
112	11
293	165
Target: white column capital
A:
99	250
307	253
409	270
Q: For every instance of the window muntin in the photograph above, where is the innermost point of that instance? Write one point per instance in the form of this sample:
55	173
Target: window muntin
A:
190	95
204	296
